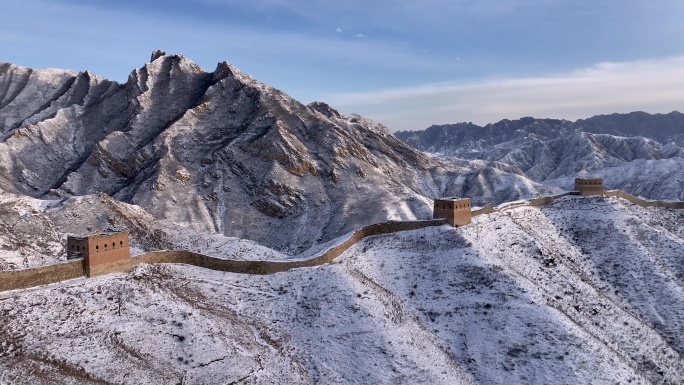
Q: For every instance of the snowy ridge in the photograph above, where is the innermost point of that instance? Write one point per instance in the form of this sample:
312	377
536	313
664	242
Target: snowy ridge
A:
222	153
637	152
316	257
582	290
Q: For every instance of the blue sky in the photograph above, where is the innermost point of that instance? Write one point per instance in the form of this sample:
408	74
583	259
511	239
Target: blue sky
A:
407	64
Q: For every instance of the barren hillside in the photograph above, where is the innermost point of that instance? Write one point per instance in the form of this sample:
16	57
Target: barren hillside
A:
220	152
584	290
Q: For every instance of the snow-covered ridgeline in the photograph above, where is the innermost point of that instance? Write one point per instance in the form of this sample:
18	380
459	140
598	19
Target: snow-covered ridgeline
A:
13	280
583	290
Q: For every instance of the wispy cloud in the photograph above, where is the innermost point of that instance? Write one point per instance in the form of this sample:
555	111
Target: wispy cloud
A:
417	11
299	47
649	85
94	35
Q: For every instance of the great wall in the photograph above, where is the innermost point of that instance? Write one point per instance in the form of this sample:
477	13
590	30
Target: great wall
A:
22	279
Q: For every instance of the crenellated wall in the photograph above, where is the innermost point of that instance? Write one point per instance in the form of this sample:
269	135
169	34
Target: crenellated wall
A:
488	209
589	186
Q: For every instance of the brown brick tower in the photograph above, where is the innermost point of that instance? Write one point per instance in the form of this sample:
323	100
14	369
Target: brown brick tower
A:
100	252
592	186
455	210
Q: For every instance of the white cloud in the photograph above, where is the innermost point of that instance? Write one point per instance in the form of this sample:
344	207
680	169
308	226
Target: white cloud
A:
648	85
360	35
338	30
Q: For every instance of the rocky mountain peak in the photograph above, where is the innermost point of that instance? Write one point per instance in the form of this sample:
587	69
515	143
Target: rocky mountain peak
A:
219	152
156	54
324	109
223	70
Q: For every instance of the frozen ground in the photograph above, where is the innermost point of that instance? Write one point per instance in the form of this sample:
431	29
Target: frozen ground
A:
584	290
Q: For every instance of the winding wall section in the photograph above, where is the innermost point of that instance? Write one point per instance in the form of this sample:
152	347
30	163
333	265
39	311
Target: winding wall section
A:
21	279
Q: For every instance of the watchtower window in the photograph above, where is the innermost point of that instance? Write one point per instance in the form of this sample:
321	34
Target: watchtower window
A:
120	243
112	245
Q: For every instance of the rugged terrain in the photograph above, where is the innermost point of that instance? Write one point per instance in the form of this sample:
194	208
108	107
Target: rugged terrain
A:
584	290
220	152
33	231
640	153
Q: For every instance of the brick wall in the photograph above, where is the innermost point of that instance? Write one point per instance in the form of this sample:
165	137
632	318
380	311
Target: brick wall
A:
586	187
271	267
457	212
488	209
643	202
546	200
22	279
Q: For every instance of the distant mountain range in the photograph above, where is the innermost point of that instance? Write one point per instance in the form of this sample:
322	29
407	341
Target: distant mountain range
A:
636	152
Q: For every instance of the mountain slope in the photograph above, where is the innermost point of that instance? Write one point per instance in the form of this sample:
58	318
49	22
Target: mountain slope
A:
584	290
33	231
220	152
547	149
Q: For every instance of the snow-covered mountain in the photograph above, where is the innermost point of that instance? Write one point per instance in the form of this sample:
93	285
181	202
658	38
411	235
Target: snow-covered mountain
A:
636	152
584	290
33	231
220	152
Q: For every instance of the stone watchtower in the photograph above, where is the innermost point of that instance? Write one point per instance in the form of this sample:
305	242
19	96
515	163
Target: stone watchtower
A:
100	252
455	210
591	186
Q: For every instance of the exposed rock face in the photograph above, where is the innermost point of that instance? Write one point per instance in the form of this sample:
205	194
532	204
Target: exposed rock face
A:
625	149
221	152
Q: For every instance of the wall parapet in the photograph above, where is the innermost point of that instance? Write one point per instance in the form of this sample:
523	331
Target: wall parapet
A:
644	202
487	209
21	279
534	202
